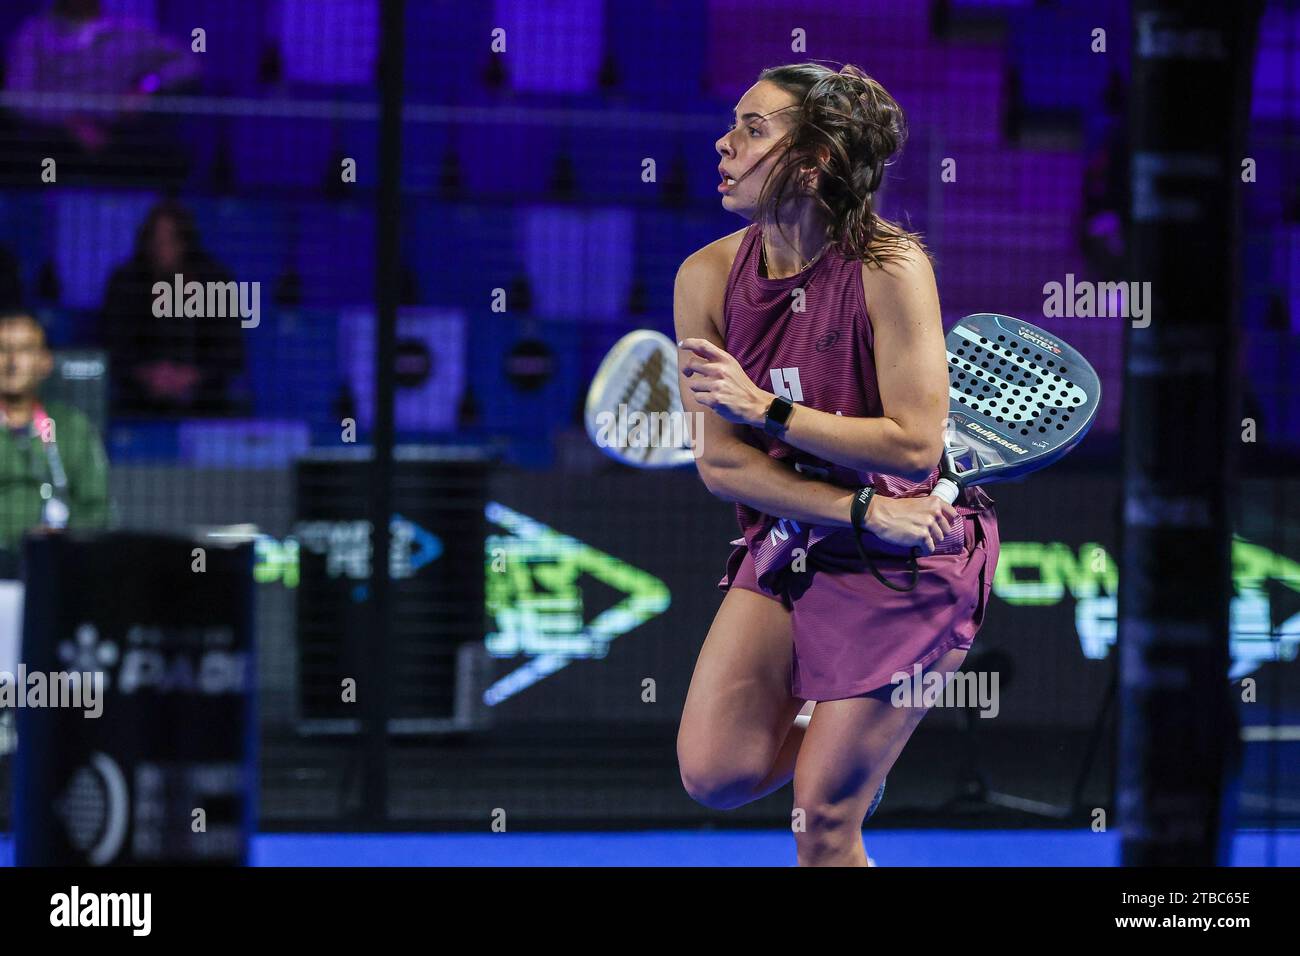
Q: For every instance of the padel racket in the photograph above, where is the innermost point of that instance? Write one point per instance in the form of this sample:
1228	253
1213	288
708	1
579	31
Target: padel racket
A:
1019	399
634	410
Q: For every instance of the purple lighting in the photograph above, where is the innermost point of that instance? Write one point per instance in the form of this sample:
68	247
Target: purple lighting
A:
552	46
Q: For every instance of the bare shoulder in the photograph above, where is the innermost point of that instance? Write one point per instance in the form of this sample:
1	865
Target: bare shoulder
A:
907	272
705	263
702	281
902	300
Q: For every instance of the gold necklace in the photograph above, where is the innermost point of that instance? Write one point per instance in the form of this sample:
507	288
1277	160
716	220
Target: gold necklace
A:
762	248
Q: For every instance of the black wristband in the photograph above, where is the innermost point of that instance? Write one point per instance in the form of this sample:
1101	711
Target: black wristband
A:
861	502
858	518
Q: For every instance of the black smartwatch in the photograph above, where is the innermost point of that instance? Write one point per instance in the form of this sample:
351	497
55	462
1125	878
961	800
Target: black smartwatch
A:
778	415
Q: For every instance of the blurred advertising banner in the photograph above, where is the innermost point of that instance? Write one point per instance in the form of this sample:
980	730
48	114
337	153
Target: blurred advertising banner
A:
135	715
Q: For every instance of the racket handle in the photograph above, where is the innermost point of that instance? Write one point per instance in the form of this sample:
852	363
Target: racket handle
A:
947	489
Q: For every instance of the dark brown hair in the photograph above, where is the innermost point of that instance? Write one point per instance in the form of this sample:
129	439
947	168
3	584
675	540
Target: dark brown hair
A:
848	127
186	230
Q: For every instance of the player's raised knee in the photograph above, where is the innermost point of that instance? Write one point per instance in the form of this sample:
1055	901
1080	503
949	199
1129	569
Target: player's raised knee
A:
714	785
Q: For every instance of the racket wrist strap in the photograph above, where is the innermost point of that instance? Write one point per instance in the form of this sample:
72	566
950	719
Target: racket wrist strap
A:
858	512
858	518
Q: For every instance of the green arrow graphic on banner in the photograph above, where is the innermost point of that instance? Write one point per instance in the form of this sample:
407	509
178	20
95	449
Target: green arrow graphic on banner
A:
534	596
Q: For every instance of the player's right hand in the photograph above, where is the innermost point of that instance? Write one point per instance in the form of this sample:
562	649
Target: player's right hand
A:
911	522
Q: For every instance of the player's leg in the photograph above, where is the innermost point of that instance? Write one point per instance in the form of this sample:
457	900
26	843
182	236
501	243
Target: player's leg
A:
849	747
737	739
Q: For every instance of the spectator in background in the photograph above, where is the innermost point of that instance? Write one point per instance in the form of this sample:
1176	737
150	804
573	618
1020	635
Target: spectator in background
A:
74	48
53	470
177	366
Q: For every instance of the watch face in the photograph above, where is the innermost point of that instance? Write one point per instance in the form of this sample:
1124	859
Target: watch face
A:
778	414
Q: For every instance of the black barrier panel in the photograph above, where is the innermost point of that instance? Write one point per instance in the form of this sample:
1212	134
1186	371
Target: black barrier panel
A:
436	563
150	758
1179	743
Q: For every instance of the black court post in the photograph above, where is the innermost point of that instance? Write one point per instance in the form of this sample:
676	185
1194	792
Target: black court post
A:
1178	734
373	689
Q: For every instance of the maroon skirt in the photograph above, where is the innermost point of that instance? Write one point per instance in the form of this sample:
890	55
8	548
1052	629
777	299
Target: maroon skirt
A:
852	634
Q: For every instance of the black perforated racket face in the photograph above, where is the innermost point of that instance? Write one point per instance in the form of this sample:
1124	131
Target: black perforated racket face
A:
1017	391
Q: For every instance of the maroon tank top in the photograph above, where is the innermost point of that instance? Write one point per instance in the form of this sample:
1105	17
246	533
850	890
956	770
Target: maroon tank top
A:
822	357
